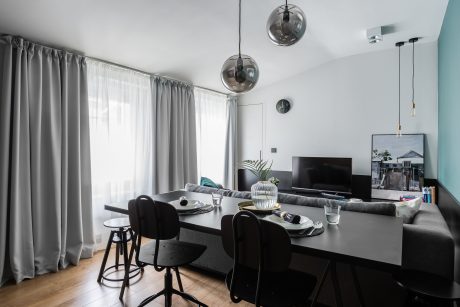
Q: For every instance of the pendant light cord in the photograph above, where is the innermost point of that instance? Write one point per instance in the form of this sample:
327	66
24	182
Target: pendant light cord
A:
239	30
413	70
399	87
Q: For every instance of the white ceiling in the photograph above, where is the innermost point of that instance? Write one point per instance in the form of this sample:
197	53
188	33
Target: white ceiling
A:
190	40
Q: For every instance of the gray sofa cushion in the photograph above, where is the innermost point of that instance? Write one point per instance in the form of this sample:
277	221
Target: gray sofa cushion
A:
428	243
382	208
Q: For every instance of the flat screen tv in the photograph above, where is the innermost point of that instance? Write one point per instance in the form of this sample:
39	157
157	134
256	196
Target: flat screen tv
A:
318	174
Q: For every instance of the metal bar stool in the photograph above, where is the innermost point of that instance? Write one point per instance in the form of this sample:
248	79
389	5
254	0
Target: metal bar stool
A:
120	234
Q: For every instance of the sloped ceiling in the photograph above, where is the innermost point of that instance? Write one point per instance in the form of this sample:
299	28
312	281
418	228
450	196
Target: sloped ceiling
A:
190	40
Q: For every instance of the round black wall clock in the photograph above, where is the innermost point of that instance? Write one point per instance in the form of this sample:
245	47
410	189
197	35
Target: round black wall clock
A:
283	106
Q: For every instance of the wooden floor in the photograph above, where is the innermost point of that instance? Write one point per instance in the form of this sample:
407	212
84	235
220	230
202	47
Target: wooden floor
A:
77	286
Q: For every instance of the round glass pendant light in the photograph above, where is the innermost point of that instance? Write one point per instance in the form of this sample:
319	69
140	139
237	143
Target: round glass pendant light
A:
286	25
240	72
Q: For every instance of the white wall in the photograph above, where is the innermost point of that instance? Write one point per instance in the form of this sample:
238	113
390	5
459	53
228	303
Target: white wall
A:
336	107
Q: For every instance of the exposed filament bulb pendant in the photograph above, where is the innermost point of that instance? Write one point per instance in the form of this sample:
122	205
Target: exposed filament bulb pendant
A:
398	130
413	41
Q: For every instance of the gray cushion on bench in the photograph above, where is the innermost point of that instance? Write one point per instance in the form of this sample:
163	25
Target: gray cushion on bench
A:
428	243
382	208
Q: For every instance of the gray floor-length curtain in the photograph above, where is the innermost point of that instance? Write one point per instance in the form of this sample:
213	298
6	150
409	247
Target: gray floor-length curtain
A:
174	135
45	176
230	168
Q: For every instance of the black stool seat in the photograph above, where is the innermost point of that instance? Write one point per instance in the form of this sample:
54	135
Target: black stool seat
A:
289	288
172	253
428	285
122	222
120	235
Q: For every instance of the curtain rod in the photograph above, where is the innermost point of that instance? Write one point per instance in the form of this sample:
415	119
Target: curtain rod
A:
208	89
152	74
137	70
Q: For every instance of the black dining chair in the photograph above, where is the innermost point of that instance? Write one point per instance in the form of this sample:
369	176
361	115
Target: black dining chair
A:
261	251
159	221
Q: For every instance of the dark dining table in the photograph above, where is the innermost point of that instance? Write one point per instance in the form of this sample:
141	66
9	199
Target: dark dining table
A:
363	239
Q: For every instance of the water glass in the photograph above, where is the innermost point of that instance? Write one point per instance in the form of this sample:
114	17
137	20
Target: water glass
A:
332	212
216	198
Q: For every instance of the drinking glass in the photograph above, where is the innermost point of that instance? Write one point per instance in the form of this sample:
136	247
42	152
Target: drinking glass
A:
332	212
216	198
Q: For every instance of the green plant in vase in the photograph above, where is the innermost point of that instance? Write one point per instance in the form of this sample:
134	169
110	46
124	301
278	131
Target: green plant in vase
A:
264	193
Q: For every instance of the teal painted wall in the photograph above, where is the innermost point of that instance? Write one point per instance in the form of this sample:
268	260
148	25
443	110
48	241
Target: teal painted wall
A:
449	100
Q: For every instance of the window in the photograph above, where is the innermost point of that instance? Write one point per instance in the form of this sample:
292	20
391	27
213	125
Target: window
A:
215	119
120	103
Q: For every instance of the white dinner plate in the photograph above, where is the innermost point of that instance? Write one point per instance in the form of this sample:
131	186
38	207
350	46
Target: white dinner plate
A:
305	222
191	205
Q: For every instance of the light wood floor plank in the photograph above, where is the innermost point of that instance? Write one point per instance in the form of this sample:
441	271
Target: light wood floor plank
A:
77	286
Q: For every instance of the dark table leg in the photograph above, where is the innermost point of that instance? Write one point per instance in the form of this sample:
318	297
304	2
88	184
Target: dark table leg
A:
335	282
357	285
320	285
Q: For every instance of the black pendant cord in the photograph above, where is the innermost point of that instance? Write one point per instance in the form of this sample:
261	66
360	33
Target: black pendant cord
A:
399	89
413	71
399	44
239	30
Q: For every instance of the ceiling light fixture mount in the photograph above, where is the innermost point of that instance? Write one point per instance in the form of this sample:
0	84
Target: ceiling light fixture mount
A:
374	35
398	128
240	72
286	25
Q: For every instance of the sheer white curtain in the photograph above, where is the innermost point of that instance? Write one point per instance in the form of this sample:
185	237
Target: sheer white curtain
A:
120	108
215	128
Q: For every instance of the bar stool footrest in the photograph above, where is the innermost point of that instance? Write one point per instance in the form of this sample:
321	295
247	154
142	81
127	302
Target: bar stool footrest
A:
137	270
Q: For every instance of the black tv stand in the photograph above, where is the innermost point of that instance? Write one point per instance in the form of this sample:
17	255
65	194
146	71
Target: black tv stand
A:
361	184
316	194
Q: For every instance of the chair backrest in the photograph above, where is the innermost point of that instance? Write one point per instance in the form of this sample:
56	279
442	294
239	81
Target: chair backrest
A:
153	219
255	243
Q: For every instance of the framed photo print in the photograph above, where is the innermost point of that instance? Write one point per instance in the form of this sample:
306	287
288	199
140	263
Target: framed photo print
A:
398	165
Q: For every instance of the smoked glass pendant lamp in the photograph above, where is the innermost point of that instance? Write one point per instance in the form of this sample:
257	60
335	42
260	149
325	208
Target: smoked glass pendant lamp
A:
286	25
240	72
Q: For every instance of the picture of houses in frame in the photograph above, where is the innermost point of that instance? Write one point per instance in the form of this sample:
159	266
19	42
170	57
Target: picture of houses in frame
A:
397	165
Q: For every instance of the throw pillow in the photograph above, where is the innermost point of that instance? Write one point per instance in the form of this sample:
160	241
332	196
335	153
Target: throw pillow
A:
206	182
408	209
